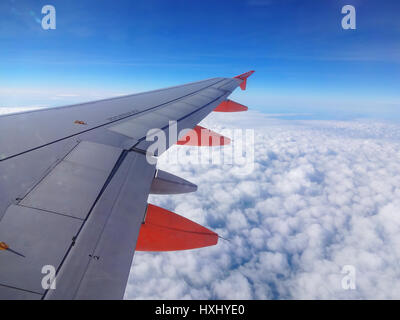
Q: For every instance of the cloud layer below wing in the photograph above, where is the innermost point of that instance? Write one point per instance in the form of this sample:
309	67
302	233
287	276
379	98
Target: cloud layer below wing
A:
322	195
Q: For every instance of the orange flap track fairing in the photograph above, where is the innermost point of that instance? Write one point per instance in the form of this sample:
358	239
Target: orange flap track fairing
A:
230	106
164	230
202	137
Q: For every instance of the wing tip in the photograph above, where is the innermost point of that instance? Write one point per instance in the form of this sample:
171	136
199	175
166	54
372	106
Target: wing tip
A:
244	77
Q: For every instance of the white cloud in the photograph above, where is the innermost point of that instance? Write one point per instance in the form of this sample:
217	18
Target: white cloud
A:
16	97
7	110
323	194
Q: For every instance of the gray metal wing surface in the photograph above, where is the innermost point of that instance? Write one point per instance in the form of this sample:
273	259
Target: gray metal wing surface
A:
74	183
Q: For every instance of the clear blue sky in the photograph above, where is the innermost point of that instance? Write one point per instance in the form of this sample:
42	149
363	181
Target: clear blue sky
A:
305	61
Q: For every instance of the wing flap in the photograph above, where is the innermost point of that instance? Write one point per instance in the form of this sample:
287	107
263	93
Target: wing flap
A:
42	237
102	254
72	186
42	226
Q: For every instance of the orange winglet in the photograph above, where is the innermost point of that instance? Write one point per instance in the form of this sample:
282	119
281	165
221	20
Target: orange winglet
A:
202	137
244	77
230	106
164	230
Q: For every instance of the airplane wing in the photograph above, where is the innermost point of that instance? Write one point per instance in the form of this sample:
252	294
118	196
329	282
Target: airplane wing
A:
74	184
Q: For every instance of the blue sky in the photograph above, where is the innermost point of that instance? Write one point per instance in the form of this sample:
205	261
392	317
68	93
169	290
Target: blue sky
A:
305	61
